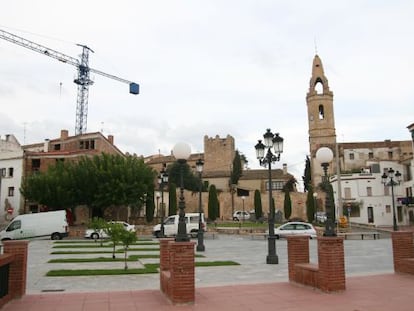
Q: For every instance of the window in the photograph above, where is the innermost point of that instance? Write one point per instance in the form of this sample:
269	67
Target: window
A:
3	172
11	191
390	155
399	213
321	112
87	144
56	147
370	155
369	191
14	225
386	190
276	185
35	164
351	156
11	172
388	209
347	192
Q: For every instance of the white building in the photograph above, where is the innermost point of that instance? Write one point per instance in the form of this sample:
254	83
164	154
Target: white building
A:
367	200
11	171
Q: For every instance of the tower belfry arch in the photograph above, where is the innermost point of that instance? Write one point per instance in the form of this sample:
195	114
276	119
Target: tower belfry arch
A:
321	121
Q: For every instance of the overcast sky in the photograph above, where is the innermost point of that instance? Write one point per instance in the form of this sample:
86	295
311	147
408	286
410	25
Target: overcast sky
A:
214	67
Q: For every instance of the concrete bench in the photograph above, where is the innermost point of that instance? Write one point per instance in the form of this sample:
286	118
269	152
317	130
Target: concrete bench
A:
374	234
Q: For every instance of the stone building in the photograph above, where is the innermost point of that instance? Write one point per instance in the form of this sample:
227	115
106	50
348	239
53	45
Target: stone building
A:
218	160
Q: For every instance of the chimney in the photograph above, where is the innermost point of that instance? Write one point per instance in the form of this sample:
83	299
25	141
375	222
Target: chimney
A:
285	169
111	139
46	145
64	134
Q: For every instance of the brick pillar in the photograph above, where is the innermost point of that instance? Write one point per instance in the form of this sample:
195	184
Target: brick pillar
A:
18	267
402	248
298	252
182	286
331	262
164	264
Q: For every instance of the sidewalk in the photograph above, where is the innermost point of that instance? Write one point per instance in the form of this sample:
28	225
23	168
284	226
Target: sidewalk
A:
365	293
253	285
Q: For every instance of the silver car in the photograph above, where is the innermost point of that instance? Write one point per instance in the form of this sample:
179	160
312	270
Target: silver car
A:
295	228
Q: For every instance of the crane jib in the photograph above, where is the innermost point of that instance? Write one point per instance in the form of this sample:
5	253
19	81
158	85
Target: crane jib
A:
83	74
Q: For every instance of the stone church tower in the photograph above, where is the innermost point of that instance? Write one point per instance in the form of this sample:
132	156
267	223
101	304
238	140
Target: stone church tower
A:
319	101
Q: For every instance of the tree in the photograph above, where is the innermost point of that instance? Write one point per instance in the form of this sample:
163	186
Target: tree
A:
307	176
172	199
150	207
213	203
258	210
99	182
287	205
310	205
190	181
127	238
237	169
97	224
114	231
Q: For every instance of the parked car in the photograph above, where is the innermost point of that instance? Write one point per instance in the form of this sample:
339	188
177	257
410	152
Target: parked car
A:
171	225
241	216
101	234
295	228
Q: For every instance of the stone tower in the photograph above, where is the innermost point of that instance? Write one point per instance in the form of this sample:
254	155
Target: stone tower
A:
319	101
218	153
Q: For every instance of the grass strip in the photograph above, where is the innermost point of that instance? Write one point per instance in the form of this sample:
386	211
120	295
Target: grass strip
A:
103	251
92	242
148	268
98	245
109	259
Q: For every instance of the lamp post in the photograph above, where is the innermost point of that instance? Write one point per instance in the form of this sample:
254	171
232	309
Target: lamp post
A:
388	180
162	180
181	152
275	141
244	216
324	155
200	234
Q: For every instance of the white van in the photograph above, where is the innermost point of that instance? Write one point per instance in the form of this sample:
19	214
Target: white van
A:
171	225
45	224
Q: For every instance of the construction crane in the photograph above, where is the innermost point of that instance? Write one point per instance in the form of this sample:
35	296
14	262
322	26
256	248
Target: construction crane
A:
82	80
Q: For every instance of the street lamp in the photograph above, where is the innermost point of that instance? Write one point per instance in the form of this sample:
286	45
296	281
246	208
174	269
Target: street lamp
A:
162	180
388	180
324	155
243	198
275	141
181	152
200	233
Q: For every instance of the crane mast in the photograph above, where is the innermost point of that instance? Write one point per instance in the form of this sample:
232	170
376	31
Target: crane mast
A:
82	80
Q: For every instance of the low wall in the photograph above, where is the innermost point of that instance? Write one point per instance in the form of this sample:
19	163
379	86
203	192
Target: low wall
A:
13	267
329	274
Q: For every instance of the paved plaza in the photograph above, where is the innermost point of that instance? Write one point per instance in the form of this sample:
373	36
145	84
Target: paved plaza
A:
362	258
253	285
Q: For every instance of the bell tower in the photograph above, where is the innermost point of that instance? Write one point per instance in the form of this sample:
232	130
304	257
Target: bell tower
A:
319	101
